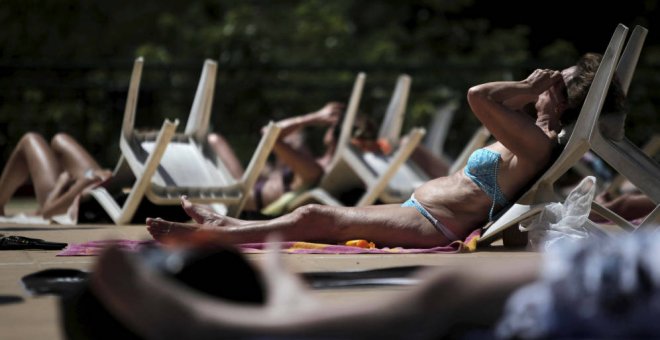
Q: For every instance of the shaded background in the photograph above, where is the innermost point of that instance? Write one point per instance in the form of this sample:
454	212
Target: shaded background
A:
65	64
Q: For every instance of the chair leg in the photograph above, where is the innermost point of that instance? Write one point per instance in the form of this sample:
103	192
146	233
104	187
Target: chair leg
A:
124	214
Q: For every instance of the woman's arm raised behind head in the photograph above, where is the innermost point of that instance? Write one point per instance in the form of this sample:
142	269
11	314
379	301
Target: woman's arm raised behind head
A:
514	129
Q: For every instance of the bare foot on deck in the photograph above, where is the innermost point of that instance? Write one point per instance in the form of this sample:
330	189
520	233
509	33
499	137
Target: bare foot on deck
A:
161	229
204	215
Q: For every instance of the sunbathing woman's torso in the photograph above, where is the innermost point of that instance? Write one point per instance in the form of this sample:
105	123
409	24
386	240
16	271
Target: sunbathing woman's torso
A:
464	200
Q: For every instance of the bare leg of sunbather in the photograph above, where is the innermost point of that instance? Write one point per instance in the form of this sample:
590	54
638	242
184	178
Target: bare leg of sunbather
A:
32	158
222	148
630	206
433	165
386	225
75	159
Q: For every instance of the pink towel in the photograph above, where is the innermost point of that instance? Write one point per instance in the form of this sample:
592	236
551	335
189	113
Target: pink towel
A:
95	247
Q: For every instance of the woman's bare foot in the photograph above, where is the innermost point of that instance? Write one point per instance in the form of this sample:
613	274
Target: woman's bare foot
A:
161	229
204	215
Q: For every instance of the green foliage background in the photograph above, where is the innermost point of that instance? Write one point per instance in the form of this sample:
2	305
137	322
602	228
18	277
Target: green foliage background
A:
65	64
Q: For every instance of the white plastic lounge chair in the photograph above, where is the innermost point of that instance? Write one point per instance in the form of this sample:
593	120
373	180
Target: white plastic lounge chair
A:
624	156
542	191
349	169
172	165
651	148
435	139
390	128
613	129
407	175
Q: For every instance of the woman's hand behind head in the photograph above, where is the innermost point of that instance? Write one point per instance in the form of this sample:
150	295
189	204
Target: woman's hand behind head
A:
330	113
541	80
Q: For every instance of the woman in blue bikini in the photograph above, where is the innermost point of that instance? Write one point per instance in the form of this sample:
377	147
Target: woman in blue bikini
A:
524	116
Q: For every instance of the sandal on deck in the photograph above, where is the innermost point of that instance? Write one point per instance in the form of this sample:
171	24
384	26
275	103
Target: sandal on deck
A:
20	242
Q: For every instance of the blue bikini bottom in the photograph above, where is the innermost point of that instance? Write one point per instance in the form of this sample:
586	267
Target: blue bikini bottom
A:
412	202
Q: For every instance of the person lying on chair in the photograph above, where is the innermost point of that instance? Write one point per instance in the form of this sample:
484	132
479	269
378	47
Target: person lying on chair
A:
295	165
59	171
62	173
524	116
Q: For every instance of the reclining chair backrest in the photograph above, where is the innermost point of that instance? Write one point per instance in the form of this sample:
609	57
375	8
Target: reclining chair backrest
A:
542	191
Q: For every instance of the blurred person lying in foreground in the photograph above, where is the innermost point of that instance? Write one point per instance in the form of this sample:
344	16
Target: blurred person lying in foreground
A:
593	288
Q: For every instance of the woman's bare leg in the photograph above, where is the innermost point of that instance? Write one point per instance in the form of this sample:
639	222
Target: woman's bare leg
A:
303	164
433	165
630	206
74	158
32	158
386	225
222	148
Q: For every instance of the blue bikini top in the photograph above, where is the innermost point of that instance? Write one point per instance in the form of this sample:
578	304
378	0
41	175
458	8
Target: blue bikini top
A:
482	169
